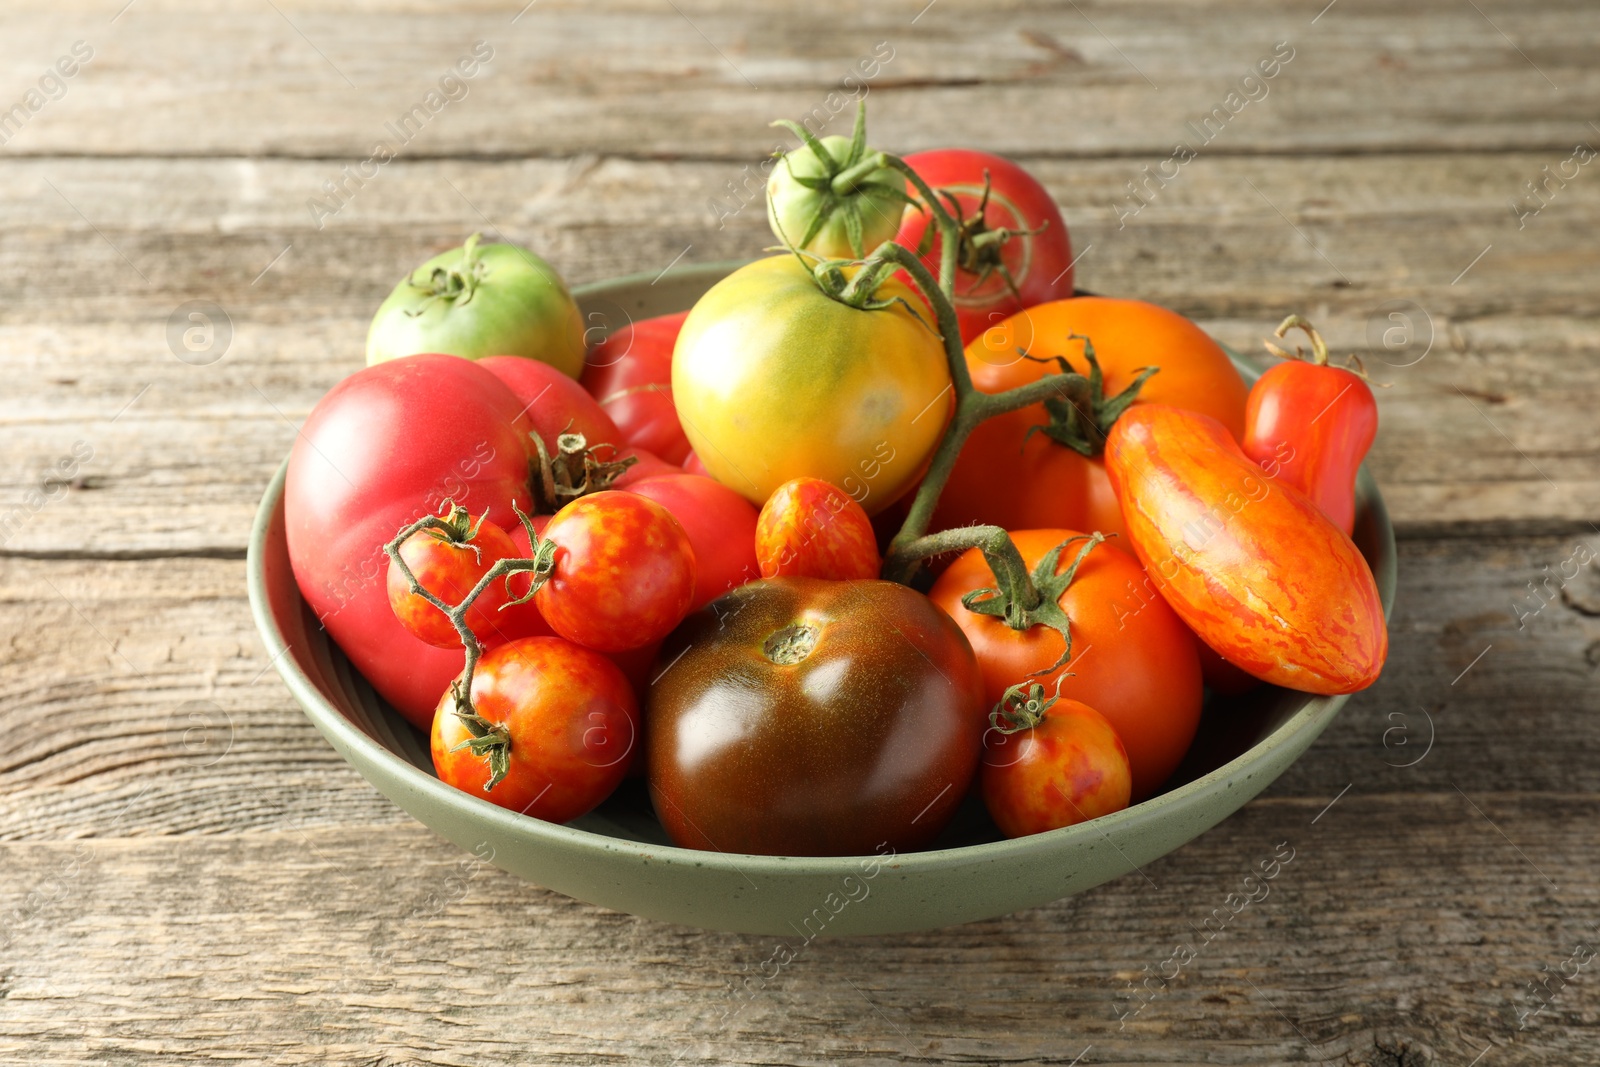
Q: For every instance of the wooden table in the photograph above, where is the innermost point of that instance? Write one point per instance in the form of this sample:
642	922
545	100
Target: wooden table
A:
191	874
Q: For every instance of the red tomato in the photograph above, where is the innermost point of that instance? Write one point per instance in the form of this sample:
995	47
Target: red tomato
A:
374	456
630	374
1309	424
1133	660
649	465
721	525
1063	765
1039	264
555	403
810	528
1251	565
624	572
1011	475
692	464
449	569
564	717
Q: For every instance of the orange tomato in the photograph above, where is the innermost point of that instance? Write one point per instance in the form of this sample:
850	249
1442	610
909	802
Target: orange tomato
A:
1132	660
810	528
1010	479
1068	768
1254	568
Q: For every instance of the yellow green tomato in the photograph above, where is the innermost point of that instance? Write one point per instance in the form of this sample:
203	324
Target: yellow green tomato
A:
477	301
846	222
775	380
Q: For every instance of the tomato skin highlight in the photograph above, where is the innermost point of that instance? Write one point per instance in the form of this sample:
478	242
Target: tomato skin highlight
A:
1309	425
1040	263
1068	769
373	457
775	380
1133	660
810	528
624	572
1252	565
630	375
573	720
1009	478
871	735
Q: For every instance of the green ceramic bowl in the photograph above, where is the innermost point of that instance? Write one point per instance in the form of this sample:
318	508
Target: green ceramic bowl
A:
618	857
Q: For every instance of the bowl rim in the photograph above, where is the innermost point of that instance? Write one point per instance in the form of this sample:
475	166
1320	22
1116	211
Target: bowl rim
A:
359	746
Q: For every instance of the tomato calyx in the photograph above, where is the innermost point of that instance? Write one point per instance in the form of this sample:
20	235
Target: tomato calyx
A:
1319	349
453	287
456	527
1022	707
575	469
1081	415
489	740
845	187
1008	601
979	249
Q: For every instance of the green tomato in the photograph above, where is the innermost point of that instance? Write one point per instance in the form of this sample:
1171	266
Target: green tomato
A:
472	301
838	208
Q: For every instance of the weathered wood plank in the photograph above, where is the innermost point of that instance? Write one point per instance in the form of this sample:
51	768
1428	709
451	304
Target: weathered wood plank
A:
1402	931
701	79
139	687
1501	402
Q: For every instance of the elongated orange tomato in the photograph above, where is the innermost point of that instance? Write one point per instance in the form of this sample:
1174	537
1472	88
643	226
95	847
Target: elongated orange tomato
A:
1254	568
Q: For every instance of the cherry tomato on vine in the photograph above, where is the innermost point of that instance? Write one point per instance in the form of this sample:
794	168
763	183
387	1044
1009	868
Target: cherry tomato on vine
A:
1050	763
800	717
1132	659
449	565
1254	568
810	528
1308	424
1016	475
995	280
624	572
556	723
630	375
775	379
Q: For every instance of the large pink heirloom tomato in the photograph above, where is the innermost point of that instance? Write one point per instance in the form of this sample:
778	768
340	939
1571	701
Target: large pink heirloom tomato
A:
383	448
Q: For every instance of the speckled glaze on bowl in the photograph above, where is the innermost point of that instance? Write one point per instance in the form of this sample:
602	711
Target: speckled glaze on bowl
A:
618	857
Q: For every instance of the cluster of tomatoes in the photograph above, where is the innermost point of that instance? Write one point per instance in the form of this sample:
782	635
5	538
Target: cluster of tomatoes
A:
881	520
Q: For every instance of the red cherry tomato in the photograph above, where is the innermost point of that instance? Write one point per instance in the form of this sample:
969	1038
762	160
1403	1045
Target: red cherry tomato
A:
1309	424
1039	264
624	572
630	374
386	446
1068	767
449	569
555	403
721	525
810	528
568	723
1132	660
1254	568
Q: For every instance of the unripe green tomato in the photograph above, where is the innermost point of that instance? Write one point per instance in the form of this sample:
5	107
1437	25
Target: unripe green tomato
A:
791	206
477	301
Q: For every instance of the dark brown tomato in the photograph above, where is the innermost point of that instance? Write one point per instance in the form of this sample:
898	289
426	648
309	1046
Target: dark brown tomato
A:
803	717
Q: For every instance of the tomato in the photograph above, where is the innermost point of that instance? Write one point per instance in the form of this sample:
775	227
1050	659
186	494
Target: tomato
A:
555	403
1132	659
810	529
800	717
373	457
630	374
776	380
850	214
563	719
720	524
477	301
1010	477
993	281
449	565
1252	566
647	465
692	464
624	572
1309	424
1058	764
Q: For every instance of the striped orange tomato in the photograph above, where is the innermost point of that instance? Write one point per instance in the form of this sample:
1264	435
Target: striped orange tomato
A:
1254	568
